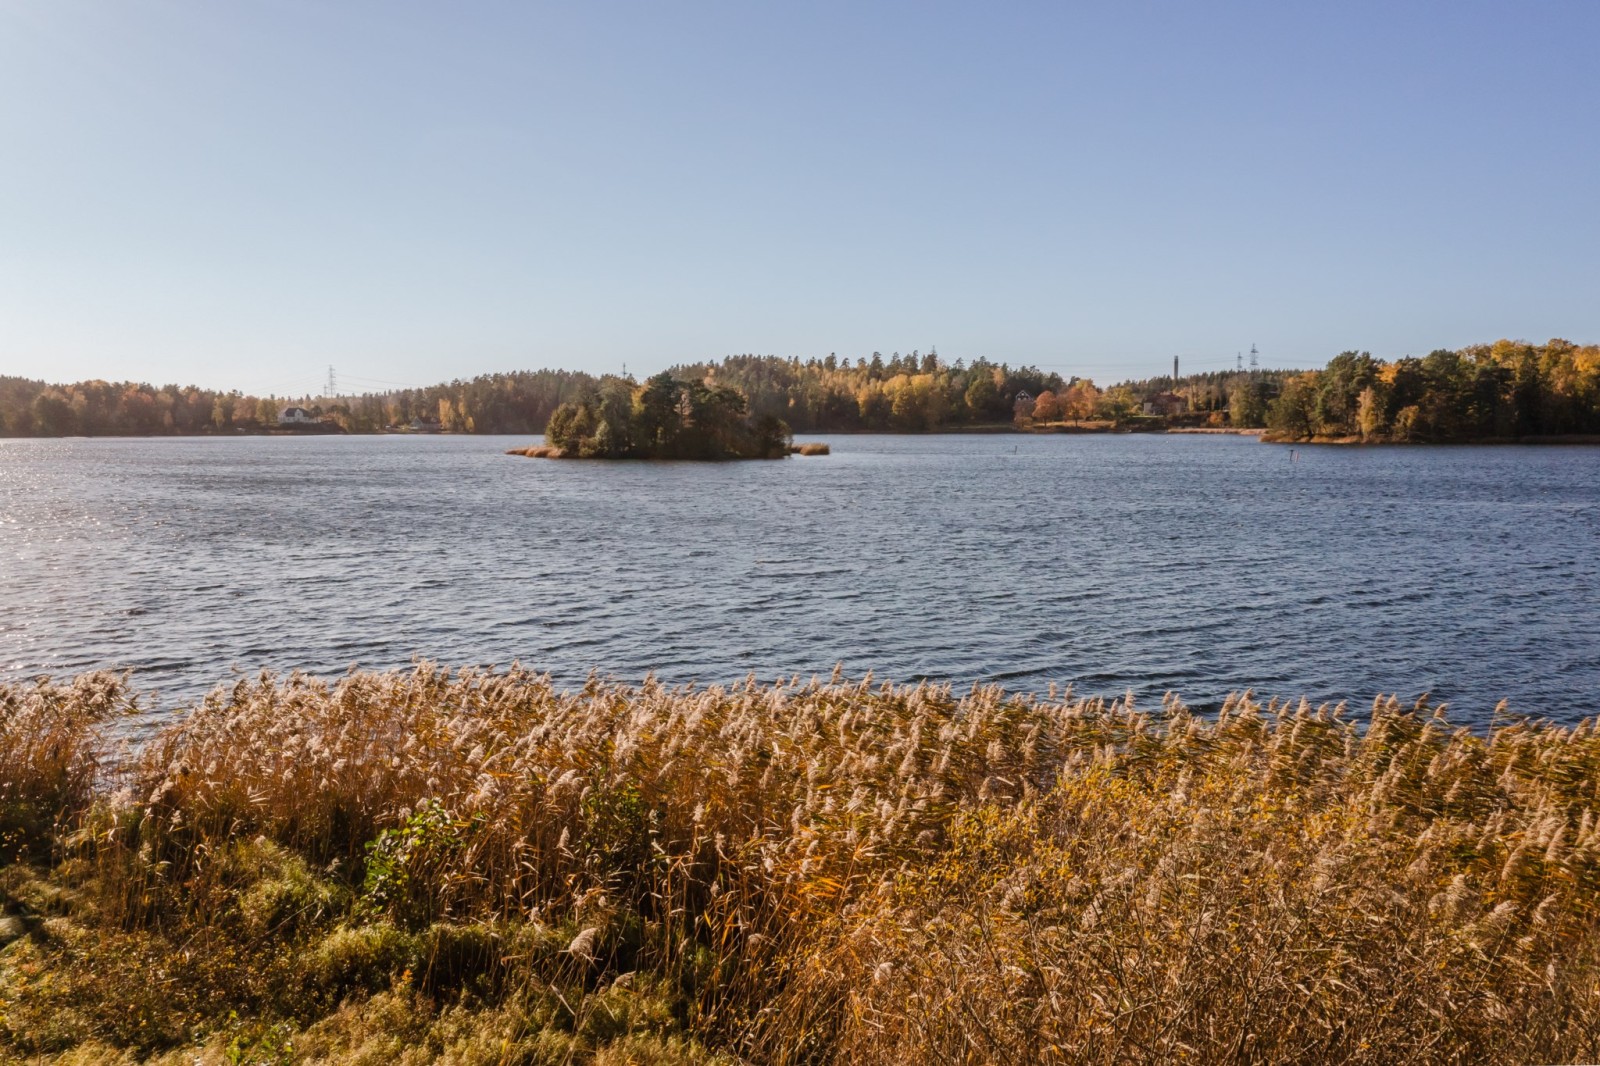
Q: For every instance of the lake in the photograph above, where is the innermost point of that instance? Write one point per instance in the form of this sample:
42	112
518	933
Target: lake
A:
1199	564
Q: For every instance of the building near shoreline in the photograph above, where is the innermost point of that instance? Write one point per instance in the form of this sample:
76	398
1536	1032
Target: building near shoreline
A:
1166	403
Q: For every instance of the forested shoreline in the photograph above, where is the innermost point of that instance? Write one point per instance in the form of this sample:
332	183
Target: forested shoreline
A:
1503	391
1509	390
910	393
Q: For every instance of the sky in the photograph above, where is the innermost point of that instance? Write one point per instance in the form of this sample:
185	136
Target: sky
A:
241	194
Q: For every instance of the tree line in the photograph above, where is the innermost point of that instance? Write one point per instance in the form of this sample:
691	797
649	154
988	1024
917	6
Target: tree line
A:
1502	391
519	402
899	394
903	393
1509	389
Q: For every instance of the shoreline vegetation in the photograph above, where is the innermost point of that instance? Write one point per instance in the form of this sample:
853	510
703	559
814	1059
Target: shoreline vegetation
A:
665	418
478	867
550	451
1505	391
1501	393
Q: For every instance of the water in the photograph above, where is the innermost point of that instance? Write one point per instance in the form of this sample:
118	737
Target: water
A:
1197	564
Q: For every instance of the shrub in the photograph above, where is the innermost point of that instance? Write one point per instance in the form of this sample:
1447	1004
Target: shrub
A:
364	958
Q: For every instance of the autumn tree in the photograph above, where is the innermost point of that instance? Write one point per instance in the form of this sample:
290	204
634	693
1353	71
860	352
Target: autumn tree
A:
1369	414
1080	400
1117	403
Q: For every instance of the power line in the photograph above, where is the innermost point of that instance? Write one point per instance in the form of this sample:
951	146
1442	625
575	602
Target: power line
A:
292	388
381	381
1195	366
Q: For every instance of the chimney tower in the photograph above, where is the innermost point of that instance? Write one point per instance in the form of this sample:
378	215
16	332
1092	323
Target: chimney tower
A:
1174	371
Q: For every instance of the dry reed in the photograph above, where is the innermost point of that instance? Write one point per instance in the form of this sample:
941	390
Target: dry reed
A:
48	755
828	872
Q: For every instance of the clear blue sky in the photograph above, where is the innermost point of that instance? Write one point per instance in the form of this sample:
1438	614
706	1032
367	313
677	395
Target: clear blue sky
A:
239	193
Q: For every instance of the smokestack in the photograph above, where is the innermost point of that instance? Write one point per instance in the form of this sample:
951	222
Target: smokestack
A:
1174	370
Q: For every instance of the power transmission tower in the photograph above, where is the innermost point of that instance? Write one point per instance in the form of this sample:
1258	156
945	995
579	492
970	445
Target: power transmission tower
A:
331	389
1238	360
1255	359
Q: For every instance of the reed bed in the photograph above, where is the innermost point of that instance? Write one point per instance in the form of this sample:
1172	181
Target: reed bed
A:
812	448
802	872
50	756
539	451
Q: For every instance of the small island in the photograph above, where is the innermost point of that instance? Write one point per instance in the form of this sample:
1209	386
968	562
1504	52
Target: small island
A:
665	418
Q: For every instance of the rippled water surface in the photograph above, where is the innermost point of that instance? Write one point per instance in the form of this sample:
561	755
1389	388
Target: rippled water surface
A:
1199	564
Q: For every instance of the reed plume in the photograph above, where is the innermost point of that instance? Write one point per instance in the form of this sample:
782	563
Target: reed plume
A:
817	871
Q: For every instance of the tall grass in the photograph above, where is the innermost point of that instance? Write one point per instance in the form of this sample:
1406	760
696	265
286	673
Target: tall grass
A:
827	871
1274	886
48	756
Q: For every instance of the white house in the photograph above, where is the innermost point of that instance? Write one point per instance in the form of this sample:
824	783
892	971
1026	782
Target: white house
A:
295	416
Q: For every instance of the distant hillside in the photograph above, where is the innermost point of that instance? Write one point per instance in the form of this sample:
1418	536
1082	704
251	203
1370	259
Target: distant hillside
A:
518	402
903	393
1509	389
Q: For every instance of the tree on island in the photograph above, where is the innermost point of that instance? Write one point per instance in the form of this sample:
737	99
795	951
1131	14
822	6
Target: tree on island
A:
665	418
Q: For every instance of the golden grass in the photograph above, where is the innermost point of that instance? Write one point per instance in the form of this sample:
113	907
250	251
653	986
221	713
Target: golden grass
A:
539	451
48	755
812	448
804	872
